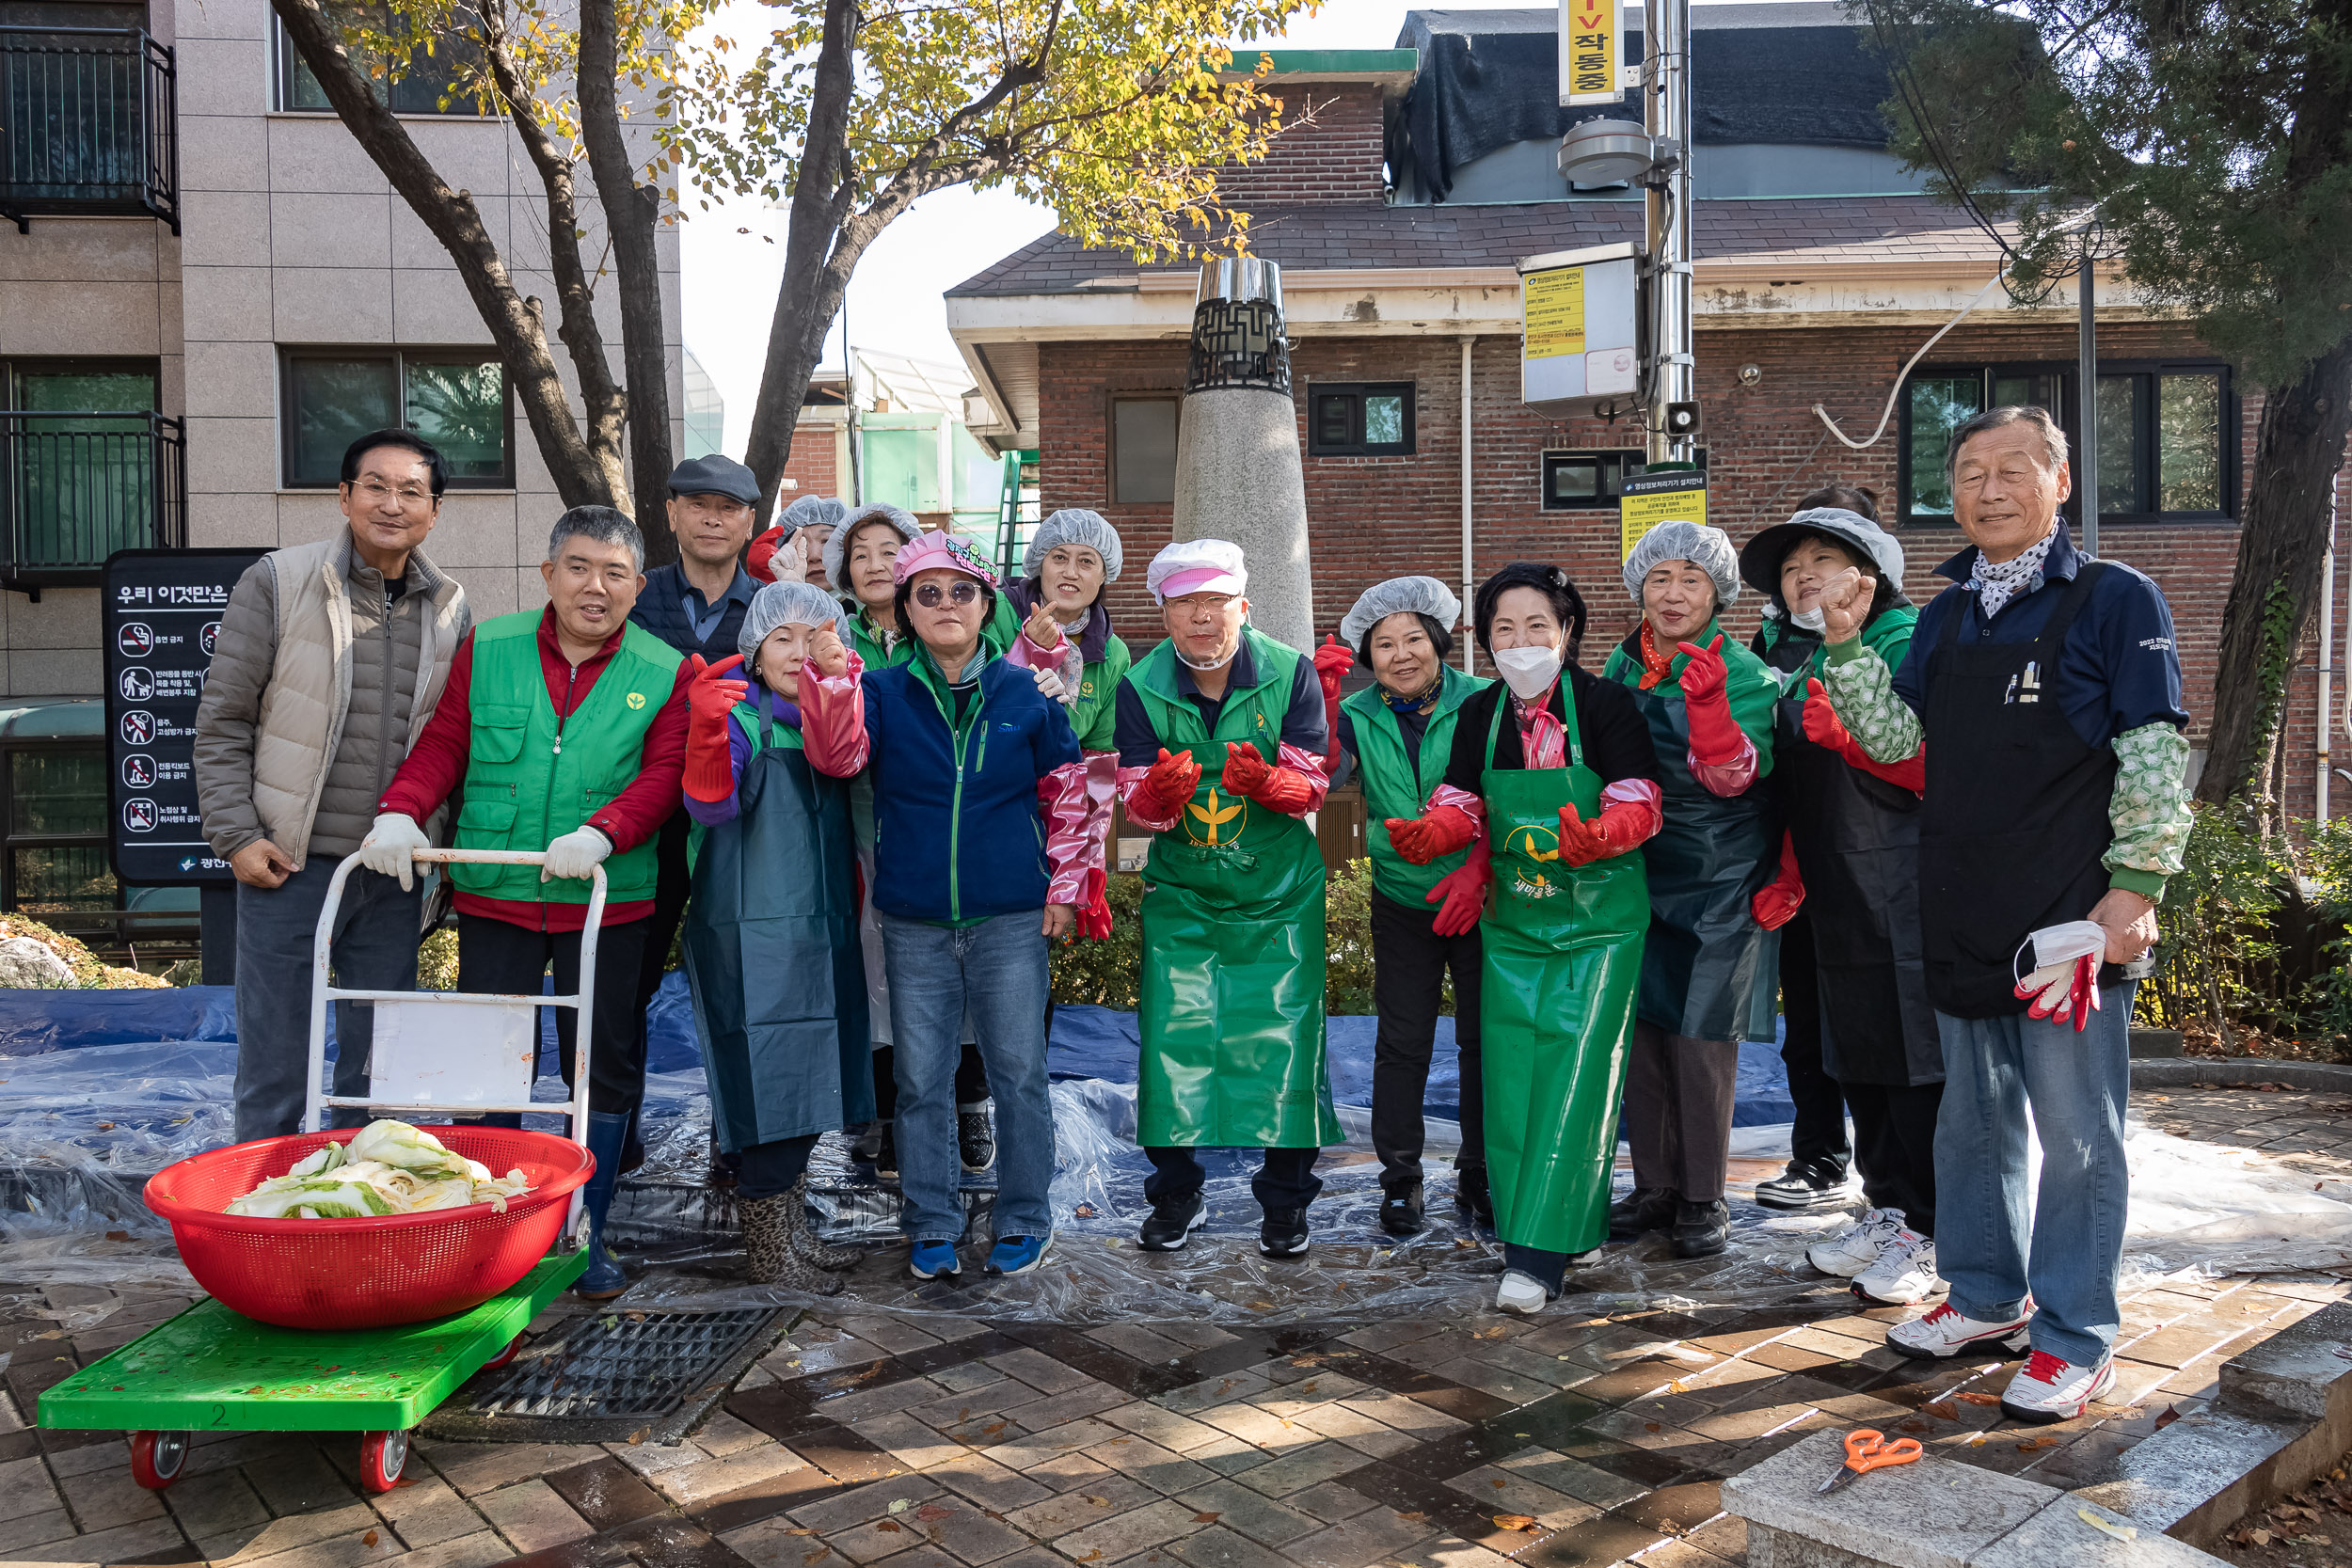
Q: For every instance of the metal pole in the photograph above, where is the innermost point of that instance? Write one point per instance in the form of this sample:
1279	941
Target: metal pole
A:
2086	373
2327	653
1470	643
1666	115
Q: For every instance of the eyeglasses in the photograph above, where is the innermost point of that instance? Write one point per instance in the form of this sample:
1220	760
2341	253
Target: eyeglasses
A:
377	493
930	596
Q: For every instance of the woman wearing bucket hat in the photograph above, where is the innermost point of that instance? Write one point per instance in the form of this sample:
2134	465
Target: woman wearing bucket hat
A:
1852	837
771	943
1707	970
1552	785
1424	918
982	849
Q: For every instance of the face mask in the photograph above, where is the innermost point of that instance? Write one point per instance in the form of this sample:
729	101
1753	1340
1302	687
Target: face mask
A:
1811	620
1528	671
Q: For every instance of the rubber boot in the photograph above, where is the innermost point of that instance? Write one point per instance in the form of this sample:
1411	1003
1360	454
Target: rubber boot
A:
606	1133
805	1240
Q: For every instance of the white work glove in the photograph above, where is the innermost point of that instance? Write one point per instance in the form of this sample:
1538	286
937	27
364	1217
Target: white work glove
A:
575	854
2064	982
386	848
1051	685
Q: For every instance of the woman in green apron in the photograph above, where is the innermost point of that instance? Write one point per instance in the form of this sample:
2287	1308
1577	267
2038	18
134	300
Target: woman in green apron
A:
771	944
1399	733
1221	744
1553	771
1708	974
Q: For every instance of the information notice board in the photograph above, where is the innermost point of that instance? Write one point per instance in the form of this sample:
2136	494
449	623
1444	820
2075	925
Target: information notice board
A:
1663	495
159	615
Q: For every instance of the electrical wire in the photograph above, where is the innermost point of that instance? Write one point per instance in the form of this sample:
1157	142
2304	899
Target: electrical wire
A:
1904	374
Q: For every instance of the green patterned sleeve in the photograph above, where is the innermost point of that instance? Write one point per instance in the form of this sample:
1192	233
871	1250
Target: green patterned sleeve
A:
1862	692
2149	809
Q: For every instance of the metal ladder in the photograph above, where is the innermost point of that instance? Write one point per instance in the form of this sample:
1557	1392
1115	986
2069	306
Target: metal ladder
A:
1016	514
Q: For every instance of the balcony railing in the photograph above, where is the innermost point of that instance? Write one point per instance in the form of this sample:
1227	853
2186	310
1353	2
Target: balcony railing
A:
89	123
75	487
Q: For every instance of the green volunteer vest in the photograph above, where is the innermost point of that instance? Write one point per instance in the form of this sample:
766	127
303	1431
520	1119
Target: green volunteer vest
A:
532	778
1393	787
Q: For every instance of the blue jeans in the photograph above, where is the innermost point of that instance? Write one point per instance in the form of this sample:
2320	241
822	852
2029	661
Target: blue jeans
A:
996	973
2077	1085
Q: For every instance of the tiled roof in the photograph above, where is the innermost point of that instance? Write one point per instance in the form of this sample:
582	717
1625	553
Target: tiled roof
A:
1821	231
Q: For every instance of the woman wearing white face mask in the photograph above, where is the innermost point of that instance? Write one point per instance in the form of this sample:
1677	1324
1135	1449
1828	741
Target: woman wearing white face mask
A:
1552	784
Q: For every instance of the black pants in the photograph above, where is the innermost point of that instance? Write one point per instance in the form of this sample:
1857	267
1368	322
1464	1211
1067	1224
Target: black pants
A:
1287	1182
770	1170
971	1080
493	955
1678	1110
1410	964
1818	1137
1548	1269
1894	1134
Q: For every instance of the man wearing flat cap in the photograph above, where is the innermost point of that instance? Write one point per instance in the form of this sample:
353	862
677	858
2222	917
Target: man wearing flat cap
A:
695	604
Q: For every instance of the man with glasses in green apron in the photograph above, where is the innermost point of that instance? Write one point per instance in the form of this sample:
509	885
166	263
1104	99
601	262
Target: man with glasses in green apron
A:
1222	735
1555	770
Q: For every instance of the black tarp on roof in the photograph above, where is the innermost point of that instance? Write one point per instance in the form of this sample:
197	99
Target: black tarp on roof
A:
1489	78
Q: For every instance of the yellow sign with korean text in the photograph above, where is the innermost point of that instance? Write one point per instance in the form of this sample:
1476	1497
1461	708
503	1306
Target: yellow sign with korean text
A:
1649	500
1589	35
1554	307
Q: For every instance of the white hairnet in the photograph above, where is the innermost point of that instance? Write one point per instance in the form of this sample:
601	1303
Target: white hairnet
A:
1398	596
837	542
1708	548
1074	525
1197	566
782	604
824	512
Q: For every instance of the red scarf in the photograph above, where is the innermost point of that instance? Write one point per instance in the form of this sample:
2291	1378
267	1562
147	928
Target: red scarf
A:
1655	665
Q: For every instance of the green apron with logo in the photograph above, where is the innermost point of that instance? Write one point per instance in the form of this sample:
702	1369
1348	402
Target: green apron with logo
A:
1232	938
1563	965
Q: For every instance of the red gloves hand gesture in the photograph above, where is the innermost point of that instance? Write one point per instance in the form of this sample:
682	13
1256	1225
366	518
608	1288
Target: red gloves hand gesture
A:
1824	728
1332	663
1461	893
1422	839
759	561
1610	832
1715	735
1094	911
1167	785
710	697
1776	902
1277	788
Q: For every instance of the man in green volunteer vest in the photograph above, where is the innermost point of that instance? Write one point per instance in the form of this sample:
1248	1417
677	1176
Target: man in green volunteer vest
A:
566	727
1222	737
1399	733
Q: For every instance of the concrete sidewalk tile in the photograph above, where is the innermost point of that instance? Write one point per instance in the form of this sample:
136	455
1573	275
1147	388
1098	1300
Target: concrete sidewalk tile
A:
1724	1536
1082	1506
1194	1398
877	1539
1261	1427
1037	1370
425	1514
904	1396
1032	1557
1154	1525
35	1529
724	1434
986	1430
895	1335
1677	1553
1570	1477
106	1498
988	1483
1483	1375
971	1375
251	1542
651	1459
1494	1490
211	1504
1064	1471
1405	1415
1330	1501
713	1478
1544	1367
1035	1448
1382	1337
1152	1465
25	1489
473	1467
478	1550
606	1492
1229	1455
908	1440
124	1541
1138	1342
111	1453
964	1532
1178	1434
1088	1398
828	1516
1374	1534
1677	1509
778	1543
1253	1514
1301	1468
1219	1547
532	1515
1319	1388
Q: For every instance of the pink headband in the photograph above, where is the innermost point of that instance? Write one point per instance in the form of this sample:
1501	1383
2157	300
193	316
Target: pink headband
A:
1197	579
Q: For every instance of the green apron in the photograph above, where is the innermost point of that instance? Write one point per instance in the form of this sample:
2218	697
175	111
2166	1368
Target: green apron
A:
1562	963
1233	939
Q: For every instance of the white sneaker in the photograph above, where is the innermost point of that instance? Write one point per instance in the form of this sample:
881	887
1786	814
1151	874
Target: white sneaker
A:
1945	1332
1521	1293
1904	1273
2047	1390
1850	1253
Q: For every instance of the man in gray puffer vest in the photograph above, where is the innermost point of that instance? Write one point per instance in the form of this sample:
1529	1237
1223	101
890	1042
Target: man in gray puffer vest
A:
329	660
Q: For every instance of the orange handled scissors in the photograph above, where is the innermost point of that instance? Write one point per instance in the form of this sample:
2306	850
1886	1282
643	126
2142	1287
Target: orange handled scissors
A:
1867	1451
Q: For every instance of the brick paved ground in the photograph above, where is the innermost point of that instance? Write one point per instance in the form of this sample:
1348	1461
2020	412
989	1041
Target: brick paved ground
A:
944	1440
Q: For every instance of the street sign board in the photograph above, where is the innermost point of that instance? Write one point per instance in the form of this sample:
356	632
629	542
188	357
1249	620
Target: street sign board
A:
1590	40
1579	330
160	619
1651	498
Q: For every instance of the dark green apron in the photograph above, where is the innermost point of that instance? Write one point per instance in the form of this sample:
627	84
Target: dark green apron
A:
1231	998
1562	960
771	951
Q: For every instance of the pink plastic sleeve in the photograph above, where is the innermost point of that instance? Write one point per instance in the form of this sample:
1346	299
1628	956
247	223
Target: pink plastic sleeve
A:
1639	798
1310	765
1726	779
833	720
1073	846
1462	800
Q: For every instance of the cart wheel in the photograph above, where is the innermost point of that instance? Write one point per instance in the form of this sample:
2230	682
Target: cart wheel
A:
382	1456
156	1458
514	1348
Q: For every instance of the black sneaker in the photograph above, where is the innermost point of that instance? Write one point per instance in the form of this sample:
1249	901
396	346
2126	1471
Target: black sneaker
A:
1284	1233
1473	1196
866	1146
975	1137
1173	1221
1702	1229
1807	1185
1641	1212
886	1155
1401	1213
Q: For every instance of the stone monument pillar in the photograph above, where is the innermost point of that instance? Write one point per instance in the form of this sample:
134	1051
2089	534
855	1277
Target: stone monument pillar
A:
1237	469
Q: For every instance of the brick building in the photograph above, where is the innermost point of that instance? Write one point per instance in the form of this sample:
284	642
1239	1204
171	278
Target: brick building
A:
1398	214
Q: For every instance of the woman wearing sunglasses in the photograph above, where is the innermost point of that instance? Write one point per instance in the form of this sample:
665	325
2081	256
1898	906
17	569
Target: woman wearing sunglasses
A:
982	849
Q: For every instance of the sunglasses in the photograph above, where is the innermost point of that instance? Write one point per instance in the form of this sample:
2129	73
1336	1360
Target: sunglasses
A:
932	595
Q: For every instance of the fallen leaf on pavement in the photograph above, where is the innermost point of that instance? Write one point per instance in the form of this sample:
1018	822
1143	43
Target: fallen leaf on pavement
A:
2170	1415
1514	1521
370	1538
1941	1411
2121	1532
1987	1400
1206	1518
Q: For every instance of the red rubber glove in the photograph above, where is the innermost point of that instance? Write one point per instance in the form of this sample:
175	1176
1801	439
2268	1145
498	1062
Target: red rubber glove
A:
1462	890
1824	728
1612	833
1277	788
1716	738
760	558
2067	991
1422	839
1094	912
710	766
1332	663
1166	787
1776	902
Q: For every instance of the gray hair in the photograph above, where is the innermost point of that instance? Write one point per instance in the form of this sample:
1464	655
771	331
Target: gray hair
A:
600	523
2053	439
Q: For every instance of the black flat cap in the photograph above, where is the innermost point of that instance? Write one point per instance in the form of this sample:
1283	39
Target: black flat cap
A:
715	475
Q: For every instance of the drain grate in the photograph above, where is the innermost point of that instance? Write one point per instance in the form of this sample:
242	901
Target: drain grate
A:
612	1377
